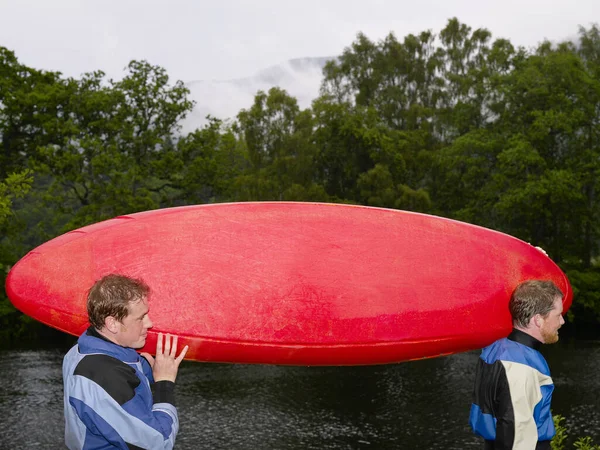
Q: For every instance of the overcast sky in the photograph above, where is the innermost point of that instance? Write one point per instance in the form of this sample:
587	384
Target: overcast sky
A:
223	39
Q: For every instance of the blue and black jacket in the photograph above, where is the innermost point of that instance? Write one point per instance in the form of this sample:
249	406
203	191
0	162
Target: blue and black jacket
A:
109	400
512	395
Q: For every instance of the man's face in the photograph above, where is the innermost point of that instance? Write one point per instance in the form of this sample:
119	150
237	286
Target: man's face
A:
133	329
552	322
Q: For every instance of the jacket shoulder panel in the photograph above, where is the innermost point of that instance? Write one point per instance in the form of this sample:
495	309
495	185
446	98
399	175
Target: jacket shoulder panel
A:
117	378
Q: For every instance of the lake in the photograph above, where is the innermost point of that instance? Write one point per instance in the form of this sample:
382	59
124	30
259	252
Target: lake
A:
415	405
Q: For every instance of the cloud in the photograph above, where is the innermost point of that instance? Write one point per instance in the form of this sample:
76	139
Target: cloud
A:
301	78
234	38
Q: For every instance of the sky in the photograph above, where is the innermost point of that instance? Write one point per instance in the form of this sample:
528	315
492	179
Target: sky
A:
227	39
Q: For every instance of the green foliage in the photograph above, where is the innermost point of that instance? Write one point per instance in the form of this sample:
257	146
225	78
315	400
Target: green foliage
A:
559	440
586	289
586	443
16	185
278	152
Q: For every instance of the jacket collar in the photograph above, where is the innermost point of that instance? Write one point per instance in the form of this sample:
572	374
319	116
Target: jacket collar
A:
523	338
93	342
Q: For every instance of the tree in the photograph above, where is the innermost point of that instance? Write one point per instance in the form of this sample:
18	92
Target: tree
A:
114	137
30	108
16	185
552	104
277	143
211	159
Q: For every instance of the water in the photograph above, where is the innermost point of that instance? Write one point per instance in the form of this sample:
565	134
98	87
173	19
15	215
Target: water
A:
416	405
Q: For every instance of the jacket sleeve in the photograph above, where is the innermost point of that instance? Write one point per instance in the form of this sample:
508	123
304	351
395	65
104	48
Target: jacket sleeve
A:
517	395
116	404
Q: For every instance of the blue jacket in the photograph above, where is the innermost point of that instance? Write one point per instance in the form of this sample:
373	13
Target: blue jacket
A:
512	395
108	400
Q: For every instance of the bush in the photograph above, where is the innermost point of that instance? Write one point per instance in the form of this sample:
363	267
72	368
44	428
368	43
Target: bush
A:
558	442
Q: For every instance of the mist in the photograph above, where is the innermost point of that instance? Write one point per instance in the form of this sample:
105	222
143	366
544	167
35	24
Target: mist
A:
223	99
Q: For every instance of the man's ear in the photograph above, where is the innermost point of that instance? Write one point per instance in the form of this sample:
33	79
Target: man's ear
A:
111	324
536	320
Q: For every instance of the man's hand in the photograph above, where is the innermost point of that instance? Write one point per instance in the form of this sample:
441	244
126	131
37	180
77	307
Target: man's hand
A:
165	364
539	248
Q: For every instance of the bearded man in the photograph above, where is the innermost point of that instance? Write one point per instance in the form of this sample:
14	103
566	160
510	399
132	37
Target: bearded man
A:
513	388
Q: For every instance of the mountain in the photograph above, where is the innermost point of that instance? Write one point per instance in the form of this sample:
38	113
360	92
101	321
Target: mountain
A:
223	99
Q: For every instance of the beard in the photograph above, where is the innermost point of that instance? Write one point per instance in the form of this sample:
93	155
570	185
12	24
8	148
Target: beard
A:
549	336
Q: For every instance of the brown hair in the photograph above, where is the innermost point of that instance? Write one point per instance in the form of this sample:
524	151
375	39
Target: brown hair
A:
533	297
111	296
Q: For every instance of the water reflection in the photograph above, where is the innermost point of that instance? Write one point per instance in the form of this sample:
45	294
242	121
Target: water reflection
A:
422	404
31	399
575	366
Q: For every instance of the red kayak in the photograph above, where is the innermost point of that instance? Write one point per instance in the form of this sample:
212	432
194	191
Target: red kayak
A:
293	283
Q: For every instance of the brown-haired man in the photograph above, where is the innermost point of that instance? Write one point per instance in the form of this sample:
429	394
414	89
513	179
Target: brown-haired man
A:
513	388
108	401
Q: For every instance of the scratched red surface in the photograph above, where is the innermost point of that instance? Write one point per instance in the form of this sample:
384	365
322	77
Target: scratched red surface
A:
293	283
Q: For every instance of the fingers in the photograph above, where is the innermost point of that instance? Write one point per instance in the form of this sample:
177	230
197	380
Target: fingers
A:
167	344
174	348
169	348
166	363
539	248
182	354
159	344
